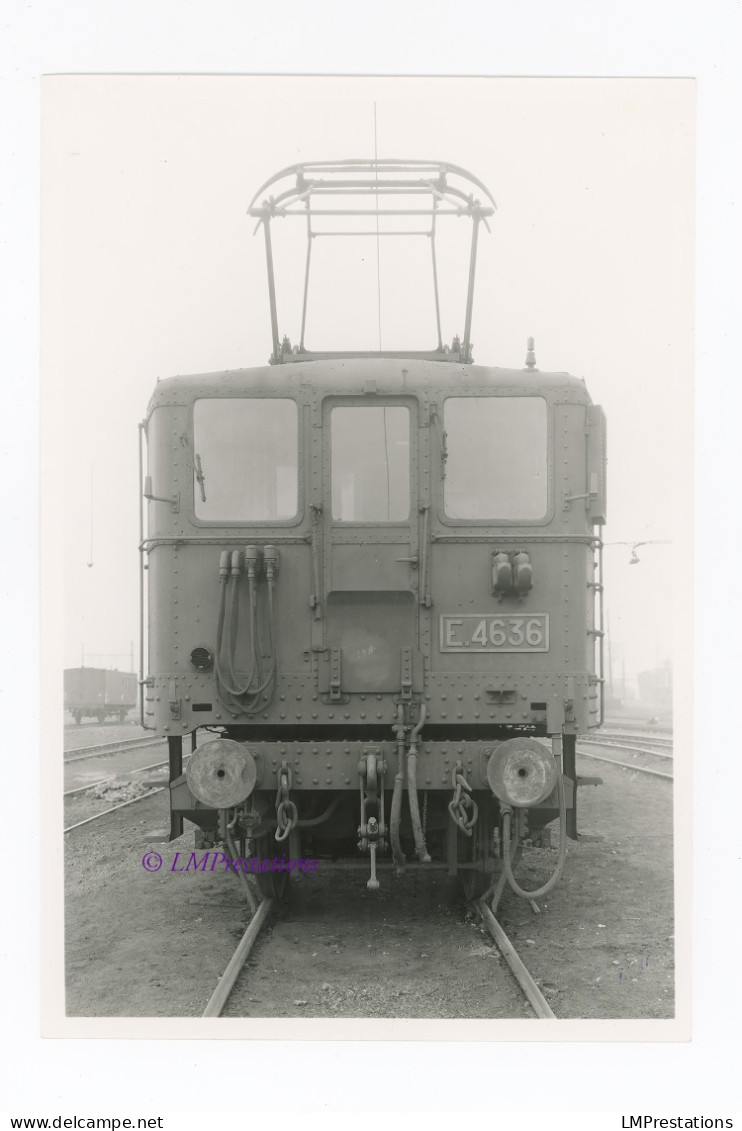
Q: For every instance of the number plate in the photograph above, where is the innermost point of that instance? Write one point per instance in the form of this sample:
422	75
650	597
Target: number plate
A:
476	633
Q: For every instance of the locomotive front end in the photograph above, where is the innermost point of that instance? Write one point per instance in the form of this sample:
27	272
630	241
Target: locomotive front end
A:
374	607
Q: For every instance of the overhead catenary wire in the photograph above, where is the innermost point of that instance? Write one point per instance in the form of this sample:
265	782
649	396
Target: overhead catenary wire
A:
386	463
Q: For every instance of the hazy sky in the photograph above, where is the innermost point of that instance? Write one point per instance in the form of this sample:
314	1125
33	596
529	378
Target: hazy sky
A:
150	269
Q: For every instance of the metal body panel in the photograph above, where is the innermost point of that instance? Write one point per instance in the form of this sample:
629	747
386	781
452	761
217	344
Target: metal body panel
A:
358	605
456	701
333	765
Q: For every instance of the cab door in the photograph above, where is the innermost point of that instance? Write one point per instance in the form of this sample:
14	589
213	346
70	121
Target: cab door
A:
370	544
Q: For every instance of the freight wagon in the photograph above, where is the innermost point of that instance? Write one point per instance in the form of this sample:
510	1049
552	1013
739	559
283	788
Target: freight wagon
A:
98	693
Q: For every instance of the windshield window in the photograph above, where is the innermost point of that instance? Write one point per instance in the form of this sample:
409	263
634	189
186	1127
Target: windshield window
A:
497	458
370	463
245	459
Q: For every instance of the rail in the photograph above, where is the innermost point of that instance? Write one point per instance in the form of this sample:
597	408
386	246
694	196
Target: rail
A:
518	968
219	998
122	805
221	994
632	741
654	752
98	751
627	766
105	781
635	750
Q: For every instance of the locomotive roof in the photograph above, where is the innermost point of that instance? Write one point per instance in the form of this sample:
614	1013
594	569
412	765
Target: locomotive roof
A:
365	375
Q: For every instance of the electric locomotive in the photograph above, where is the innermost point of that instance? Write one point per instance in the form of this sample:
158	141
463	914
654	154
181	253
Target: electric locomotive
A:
373	580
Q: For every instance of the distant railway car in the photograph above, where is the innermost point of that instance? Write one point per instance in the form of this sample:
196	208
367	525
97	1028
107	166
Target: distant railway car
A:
99	693
374	581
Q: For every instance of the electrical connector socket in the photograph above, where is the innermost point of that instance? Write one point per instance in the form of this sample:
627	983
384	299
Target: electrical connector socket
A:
272	559
253	560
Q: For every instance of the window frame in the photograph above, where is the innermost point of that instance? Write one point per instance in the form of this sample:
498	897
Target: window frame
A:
385	400
478	523
241	523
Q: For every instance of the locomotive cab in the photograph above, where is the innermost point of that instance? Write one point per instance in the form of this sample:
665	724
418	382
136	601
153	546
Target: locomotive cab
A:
374	590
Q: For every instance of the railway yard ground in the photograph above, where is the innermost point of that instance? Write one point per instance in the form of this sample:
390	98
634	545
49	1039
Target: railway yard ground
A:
143	944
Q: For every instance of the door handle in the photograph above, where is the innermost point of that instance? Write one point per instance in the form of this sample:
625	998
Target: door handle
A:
414	562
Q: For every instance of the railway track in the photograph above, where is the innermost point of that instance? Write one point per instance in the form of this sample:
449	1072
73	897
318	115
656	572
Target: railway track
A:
657	727
518	968
109	722
627	741
104	781
262	909
103	748
234	967
660	748
123	804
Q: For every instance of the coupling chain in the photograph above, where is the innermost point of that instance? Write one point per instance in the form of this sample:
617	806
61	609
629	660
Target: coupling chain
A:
286	811
463	808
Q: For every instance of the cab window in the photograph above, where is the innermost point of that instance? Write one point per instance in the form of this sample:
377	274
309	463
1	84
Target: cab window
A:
245	459
370	460
496	466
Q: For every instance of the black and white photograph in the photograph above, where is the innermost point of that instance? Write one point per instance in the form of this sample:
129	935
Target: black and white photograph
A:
371	461
370	405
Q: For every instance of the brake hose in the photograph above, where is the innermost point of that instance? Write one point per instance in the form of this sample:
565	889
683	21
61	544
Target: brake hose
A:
562	848
422	853
396	814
